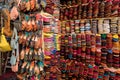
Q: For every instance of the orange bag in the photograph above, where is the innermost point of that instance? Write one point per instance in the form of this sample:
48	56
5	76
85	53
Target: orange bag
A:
7	31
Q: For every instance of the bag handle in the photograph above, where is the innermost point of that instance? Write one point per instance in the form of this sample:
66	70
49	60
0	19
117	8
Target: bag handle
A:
2	31
15	34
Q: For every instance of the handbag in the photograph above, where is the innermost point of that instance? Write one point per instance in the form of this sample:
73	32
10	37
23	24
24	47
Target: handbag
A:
14	13
15	51
14	39
4	45
7	30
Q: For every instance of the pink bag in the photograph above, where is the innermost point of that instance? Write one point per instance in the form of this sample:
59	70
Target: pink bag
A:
14	13
15	67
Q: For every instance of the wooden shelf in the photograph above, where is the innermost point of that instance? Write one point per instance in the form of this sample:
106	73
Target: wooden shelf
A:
93	19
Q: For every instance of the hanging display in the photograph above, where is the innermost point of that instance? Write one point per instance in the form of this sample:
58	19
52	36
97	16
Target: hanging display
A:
63	40
89	40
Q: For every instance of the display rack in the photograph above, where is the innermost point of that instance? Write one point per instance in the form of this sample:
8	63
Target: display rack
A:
81	39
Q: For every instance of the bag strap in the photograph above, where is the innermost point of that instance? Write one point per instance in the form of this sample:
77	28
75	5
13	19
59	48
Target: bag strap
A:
2	31
15	34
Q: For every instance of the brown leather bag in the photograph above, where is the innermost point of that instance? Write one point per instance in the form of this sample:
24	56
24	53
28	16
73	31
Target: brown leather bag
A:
7	30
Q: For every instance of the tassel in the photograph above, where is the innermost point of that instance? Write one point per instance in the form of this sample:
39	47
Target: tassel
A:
100	26
82	26
108	8
87	27
115	8
95	9
102	9
67	25
118	26
84	12
89	10
114	25
79	11
72	25
77	23
94	26
106	27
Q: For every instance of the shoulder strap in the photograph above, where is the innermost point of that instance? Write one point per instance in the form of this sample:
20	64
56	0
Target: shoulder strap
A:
13	35
2	30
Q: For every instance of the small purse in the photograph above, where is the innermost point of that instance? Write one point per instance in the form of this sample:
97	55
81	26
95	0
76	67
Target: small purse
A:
4	45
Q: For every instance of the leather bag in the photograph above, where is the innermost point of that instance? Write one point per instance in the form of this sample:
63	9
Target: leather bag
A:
7	30
14	13
15	51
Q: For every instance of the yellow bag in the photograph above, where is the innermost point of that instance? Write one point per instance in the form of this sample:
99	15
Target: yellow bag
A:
4	45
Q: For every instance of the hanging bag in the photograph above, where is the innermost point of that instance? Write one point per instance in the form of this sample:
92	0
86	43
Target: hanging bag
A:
14	46
7	30
15	16
14	39
14	13
4	45
15	53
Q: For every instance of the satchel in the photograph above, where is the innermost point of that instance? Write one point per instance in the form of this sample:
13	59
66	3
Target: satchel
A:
4	45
